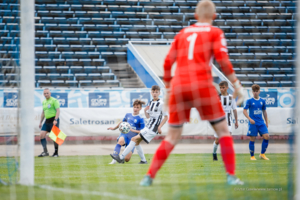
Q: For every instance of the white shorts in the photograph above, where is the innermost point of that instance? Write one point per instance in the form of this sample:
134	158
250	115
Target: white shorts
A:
147	135
229	128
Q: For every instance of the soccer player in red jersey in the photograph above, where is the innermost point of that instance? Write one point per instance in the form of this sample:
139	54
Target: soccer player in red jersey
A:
192	86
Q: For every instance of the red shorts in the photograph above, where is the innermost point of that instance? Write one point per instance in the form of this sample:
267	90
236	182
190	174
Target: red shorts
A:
204	98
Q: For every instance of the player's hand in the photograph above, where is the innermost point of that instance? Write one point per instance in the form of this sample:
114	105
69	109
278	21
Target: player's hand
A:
252	121
40	126
159	130
54	122
236	125
111	128
238	92
147	108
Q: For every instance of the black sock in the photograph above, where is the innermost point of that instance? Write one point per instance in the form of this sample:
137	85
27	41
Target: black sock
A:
56	148
44	144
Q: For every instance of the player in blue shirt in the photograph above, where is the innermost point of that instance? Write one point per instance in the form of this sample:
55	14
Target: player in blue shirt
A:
257	108
137	123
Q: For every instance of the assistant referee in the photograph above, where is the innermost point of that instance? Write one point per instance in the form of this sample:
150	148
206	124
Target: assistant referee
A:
51	112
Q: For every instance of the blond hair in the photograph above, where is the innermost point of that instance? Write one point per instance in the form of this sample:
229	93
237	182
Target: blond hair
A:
205	9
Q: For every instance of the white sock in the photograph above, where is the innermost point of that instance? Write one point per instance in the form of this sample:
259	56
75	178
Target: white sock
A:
127	149
215	147
140	152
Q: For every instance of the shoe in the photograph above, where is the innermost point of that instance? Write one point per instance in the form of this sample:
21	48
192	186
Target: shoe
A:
233	180
252	158
117	158
147	181
55	155
263	156
215	158
143	162
43	154
113	162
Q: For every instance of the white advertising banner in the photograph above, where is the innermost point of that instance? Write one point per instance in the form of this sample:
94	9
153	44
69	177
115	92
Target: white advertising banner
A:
94	122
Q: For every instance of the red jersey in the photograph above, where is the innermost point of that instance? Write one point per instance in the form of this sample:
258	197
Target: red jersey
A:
193	50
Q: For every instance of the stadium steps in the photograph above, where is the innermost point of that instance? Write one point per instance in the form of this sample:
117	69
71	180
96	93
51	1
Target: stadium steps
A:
126	75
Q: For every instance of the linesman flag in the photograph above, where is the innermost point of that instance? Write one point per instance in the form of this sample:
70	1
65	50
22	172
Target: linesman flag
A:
57	135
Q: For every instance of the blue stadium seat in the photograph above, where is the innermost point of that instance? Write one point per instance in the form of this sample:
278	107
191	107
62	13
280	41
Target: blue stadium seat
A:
273	84
247	83
83	83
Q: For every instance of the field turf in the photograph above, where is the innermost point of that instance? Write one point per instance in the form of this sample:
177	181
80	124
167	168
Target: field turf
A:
184	176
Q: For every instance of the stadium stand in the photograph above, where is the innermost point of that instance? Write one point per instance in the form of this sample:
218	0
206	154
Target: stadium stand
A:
83	43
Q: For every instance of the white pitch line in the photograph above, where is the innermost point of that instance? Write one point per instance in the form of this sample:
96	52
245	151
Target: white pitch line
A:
86	192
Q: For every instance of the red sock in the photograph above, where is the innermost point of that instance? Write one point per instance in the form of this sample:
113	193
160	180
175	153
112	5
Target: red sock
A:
228	155
160	157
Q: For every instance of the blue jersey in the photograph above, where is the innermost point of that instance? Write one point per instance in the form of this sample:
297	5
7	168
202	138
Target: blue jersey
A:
256	107
136	122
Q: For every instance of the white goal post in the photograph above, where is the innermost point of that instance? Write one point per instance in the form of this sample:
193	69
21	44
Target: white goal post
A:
27	63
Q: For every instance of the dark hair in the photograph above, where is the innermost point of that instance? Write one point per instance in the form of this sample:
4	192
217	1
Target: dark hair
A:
223	83
255	87
155	87
138	102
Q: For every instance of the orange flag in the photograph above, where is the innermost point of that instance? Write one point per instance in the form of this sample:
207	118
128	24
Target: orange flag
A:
57	135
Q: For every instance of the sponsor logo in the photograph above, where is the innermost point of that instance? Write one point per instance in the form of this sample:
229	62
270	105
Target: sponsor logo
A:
257	112
270	98
10	100
80	121
292	120
99	100
143	96
62	99
49	105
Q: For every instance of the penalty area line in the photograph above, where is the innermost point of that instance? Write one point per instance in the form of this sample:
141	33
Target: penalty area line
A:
87	192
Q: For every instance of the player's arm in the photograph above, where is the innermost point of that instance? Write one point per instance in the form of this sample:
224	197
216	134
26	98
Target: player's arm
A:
264	108
116	127
57	108
146	113
247	106
169	61
42	119
266	117
165	119
220	53
247	116
236	118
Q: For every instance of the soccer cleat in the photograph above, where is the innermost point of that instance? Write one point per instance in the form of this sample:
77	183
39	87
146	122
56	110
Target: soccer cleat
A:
113	162
117	158
233	180
55	155
252	158
147	181
215	158
43	154
143	162
263	156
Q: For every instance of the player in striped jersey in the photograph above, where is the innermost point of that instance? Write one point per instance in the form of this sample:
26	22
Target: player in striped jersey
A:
228	104
158	118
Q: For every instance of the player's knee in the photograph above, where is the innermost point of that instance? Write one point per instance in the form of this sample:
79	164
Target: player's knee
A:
127	159
217	141
266	137
121	142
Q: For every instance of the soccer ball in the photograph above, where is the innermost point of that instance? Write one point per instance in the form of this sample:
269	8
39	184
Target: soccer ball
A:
124	127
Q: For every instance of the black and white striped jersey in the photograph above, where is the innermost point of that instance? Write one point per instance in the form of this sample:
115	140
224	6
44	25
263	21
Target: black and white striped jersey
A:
156	114
228	103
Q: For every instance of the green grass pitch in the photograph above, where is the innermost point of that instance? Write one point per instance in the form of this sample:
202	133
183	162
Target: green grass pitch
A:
184	176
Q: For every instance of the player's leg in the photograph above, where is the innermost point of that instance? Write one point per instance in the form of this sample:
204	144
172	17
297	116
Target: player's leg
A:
252	133
215	147
43	134
120	143
263	131
128	149
162	153
140	151
227	150
127	158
